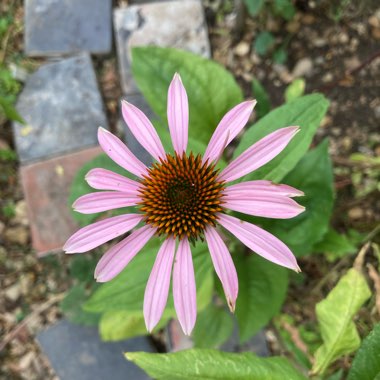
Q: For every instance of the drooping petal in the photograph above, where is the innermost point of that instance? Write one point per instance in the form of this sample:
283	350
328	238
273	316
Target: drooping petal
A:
263	188
95	234
178	114
105	200
258	154
119	256
157	288
119	153
260	241
265	205
142	129
184	290
224	266
103	179
228	128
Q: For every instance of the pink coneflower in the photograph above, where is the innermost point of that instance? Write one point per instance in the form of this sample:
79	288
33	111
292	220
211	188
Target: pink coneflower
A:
183	197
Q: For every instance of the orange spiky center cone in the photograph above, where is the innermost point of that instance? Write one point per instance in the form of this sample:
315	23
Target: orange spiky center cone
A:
181	196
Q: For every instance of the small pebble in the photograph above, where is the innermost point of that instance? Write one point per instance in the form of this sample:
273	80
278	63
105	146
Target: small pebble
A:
242	49
355	213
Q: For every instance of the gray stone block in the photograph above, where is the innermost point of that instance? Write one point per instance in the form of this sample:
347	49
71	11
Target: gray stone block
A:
62	107
77	353
178	24
139	101
67	26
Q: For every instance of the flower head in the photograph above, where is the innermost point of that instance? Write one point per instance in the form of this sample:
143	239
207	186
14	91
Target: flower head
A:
183	198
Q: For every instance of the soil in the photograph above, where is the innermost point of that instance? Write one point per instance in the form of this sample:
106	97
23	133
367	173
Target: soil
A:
338	58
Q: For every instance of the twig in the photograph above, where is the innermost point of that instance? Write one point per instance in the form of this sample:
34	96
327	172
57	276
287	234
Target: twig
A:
372	234
321	283
29	318
283	347
297	340
359	261
372	272
348	73
353	164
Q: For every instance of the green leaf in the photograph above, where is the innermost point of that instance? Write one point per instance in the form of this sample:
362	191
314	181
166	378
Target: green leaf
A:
338	375
80	187
214	326
313	175
123	324
335	314
263	43
263	105
366	365
295	90
280	56
72	304
306	112
335	245
9	111
254	6
262	290
126	291
211	90
212	364
284	8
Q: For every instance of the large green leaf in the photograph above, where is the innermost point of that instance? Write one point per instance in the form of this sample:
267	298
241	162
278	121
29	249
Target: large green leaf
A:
262	291
306	112
313	175
214	326
212	364
126	291
335	314
123	324
366	365
80	187
211	90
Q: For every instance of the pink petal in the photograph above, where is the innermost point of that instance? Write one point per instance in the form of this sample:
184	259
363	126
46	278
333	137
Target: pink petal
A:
258	154
178	114
184	290
260	241
119	256
228	128
142	129
105	200
103	179
262	204
119	153
157	288
263	187
95	234
224	266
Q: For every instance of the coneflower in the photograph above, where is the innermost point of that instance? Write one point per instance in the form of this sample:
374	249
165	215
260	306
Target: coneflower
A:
183	198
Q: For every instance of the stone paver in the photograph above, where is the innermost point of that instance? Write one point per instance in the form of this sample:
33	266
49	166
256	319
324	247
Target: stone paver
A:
130	140
62	107
46	187
77	353
54	27
179	24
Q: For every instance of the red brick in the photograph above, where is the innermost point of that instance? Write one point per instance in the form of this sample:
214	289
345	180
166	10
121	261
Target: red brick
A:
46	187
